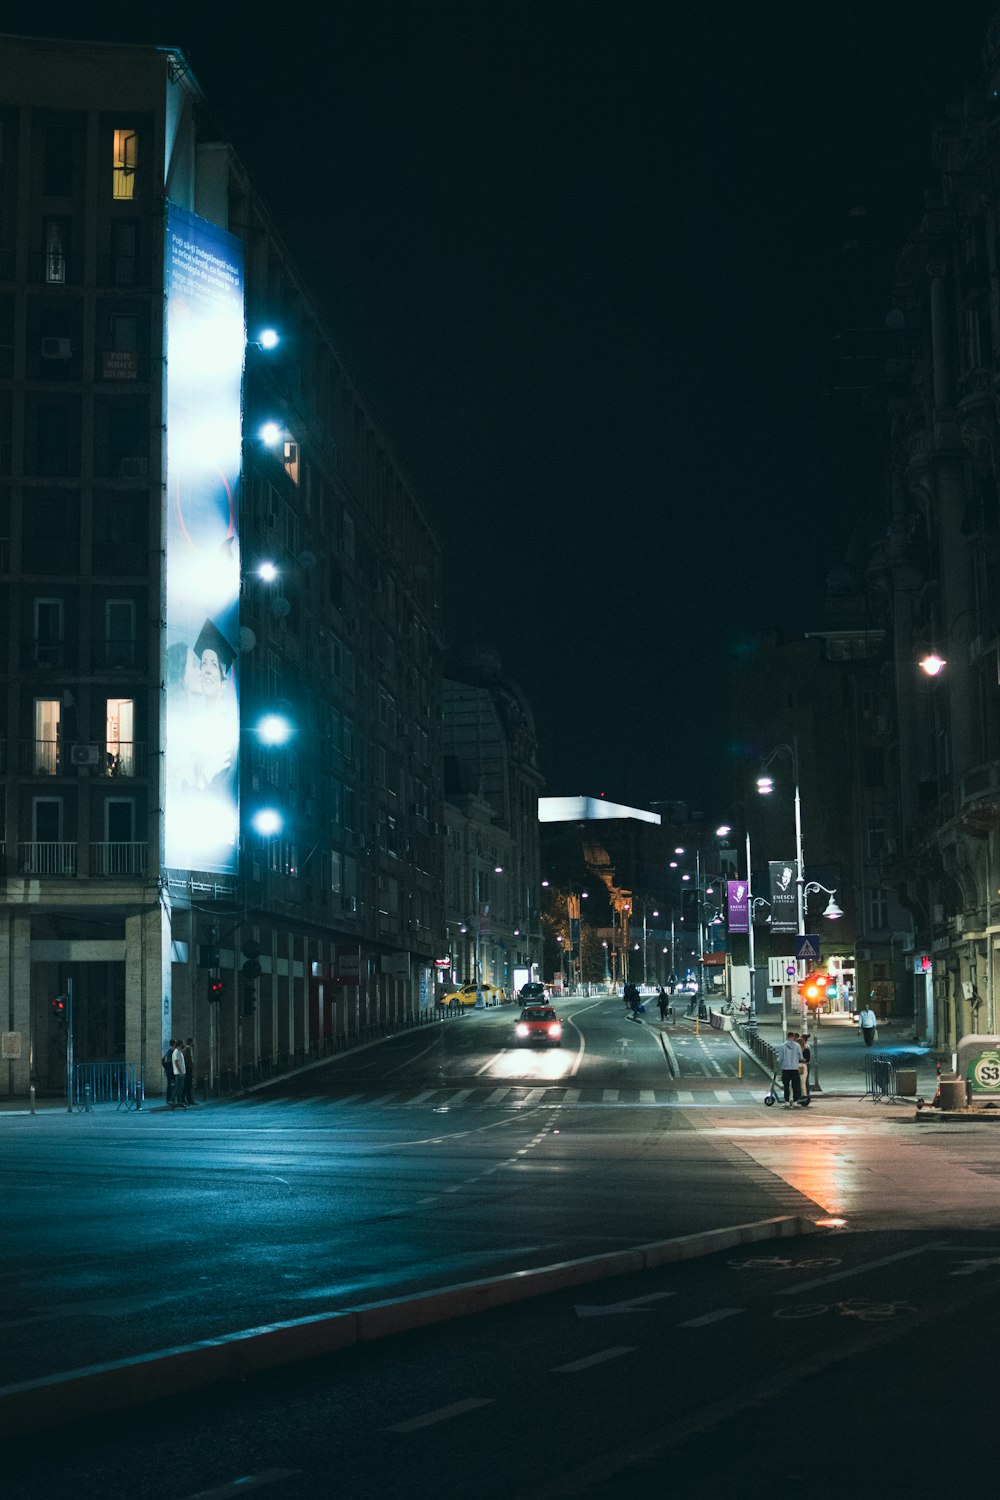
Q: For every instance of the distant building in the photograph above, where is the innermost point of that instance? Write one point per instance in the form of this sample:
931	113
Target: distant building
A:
196	530
492	782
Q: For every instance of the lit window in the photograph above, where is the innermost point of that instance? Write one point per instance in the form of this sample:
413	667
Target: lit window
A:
119	737
47	716
56	238
126	155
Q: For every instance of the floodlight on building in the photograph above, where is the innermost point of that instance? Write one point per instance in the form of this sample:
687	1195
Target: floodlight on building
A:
267	821
271	433
267	572
274	729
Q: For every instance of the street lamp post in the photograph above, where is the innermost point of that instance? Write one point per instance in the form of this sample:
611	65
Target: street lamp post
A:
765	785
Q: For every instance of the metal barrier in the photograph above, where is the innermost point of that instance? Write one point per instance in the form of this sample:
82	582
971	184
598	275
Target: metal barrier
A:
755	1043
883	1076
122	1084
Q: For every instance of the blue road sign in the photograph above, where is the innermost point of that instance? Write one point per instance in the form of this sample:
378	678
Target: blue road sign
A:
807	945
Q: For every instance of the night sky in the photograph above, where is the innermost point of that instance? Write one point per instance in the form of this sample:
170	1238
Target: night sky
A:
586	265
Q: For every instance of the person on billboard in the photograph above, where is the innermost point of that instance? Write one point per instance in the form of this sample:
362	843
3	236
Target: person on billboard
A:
214	722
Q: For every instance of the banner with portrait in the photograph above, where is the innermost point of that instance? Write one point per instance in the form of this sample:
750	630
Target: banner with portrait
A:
738	905
784	895
205	343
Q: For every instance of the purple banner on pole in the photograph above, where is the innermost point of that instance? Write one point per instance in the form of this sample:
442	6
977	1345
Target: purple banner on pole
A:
737	897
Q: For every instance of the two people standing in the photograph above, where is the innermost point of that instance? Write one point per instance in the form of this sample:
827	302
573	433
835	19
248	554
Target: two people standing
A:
178	1065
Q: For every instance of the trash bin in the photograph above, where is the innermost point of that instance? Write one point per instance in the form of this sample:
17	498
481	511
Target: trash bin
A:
953	1093
906	1082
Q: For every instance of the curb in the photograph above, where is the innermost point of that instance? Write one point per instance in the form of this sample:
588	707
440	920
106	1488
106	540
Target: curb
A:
95	1391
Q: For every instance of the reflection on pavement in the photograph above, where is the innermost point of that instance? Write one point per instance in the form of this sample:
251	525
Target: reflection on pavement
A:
546	1063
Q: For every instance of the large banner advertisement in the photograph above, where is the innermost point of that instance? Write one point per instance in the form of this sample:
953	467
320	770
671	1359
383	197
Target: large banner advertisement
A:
738	902
205	340
784	895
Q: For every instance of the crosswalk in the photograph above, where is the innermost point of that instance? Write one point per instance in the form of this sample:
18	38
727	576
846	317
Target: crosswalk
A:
517	1097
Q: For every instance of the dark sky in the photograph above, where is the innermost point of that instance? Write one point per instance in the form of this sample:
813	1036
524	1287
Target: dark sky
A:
585	264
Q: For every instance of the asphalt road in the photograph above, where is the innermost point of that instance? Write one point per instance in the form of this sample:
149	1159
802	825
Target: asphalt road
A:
446	1155
441	1156
836	1364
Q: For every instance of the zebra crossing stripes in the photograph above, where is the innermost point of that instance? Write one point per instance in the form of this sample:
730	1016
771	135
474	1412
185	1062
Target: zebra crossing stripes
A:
521	1097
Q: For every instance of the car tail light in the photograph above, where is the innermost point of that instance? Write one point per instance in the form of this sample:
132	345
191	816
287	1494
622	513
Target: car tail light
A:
522	1030
555	1029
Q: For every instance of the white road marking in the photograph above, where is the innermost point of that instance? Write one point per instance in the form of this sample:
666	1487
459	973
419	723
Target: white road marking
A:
683	1097
443	1414
461	1096
384	1098
609	1096
647	1096
246	1482
630	1305
533	1096
724	1095
427	1094
592	1359
871	1265
970	1267
712	1317
495	1095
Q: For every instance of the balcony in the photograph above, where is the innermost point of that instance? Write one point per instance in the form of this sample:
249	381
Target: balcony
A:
118	859
63	757
46	859
116	655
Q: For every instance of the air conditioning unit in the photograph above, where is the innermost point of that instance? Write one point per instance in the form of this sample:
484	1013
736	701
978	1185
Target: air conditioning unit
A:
133	468
57	349
84	755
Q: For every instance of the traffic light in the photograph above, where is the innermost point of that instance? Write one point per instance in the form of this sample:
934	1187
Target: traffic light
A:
58	1008
816	989
216	989
249	999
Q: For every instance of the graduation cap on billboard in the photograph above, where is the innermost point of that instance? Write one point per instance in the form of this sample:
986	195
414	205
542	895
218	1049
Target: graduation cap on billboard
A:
210	638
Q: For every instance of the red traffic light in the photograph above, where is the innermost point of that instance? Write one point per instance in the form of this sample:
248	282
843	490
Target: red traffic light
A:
214	991
816	989
58	1008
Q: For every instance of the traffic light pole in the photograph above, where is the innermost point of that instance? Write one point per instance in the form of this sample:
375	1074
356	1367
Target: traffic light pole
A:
69	1046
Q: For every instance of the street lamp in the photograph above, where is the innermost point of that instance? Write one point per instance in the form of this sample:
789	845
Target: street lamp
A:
765	785
832	911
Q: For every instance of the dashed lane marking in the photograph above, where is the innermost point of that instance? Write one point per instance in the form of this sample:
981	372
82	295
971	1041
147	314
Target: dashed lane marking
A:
442	1414
712	1317
593	1359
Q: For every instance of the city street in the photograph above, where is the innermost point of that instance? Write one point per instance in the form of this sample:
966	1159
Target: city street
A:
443	1156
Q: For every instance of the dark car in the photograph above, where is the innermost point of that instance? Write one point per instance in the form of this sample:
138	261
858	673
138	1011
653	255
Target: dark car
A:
533	994
538	1023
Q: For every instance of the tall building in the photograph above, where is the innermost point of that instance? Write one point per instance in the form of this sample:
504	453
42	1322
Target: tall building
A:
492	782
220	673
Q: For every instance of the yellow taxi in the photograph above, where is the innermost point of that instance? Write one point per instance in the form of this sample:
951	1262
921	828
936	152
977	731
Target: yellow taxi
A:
467	995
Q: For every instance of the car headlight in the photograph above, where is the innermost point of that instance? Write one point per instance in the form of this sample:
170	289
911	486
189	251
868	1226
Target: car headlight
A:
555	1029
522	1030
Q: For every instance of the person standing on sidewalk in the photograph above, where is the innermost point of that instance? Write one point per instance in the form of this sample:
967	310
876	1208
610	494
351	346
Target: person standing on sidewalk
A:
177	1061
663	1003
868	1021
189	1070
790	1056
804	1064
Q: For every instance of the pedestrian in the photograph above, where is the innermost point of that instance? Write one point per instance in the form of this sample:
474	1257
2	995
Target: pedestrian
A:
790	1056
804	1064
177	1062
168	1068
189	1071
672	981
868	1021
663	1003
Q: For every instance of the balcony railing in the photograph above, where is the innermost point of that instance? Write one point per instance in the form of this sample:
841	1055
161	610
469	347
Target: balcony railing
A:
118	859
46	859
63	757
114	654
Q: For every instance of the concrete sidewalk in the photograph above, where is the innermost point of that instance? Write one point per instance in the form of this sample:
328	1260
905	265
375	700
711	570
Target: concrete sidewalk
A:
839	1053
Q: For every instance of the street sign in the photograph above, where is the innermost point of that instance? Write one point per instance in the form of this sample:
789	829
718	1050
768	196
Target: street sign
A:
807	945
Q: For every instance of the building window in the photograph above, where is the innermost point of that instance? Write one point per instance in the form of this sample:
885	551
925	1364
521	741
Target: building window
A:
57	165
119	632
47	820
119	820
878	908
119	737
126	157
876	838
48	632
336	872
124	252
56	250
273	675
48	712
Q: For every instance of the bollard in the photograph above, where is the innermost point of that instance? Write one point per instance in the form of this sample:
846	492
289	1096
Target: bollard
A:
739	1066
31	1098
86	1098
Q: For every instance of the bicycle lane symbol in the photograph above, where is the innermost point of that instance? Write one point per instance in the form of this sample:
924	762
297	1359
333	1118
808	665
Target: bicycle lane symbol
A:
860	1308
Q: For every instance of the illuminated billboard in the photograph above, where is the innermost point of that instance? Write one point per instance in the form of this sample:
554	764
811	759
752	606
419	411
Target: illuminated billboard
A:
205	343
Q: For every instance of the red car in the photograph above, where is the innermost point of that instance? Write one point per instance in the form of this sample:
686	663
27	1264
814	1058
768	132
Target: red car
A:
538	1023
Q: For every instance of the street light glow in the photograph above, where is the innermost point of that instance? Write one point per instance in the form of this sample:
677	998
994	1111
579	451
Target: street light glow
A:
274	729
932	664
271	433
765	785
267	820
267	572
269	339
